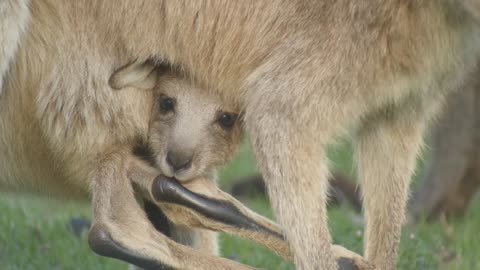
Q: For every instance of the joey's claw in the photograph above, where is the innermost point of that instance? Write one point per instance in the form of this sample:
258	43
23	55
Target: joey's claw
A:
169	190
102	243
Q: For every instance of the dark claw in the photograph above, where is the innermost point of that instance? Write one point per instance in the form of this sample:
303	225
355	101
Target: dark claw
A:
346	264
102	243
169	190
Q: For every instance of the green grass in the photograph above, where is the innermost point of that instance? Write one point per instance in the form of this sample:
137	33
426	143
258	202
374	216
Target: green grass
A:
34	232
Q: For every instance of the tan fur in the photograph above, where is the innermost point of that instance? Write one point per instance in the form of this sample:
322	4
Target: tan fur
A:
303	71
14	17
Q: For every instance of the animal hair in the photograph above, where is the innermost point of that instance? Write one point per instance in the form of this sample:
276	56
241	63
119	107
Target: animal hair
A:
303	71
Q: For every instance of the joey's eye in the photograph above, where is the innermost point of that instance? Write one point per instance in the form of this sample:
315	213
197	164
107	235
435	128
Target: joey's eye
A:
167	104
227	120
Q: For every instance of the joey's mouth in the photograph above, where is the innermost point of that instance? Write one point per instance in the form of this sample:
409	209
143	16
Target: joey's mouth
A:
190	175
181	176
183	181
184	175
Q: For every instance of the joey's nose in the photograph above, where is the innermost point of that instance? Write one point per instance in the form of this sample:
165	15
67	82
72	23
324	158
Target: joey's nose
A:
179	161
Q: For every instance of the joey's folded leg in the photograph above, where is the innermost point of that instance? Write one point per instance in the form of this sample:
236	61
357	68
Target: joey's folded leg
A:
121	230
200	203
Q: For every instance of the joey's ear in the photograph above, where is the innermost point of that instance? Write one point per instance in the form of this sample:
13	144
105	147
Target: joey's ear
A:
137	75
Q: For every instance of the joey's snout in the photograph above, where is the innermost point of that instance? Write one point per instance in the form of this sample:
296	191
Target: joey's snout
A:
179	160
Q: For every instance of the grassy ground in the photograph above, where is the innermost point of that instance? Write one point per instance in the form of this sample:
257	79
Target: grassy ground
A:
35	233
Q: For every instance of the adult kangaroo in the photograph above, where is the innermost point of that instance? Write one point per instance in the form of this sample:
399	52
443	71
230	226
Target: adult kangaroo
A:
303	72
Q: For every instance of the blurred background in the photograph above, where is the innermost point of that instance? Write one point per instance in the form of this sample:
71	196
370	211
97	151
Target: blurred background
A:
442	232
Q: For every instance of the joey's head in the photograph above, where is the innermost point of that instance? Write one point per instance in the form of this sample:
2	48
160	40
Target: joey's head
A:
191	133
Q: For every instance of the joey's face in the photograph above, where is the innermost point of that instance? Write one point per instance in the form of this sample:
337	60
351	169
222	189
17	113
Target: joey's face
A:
191	133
